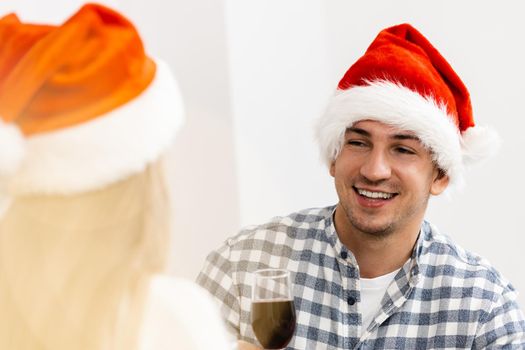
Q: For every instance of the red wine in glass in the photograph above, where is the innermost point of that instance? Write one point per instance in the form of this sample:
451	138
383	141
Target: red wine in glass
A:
273	312
273	322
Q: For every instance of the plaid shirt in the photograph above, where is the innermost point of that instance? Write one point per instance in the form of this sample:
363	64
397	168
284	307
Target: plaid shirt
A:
442	298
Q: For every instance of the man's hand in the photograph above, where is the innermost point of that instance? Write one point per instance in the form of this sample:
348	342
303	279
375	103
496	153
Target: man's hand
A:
247	346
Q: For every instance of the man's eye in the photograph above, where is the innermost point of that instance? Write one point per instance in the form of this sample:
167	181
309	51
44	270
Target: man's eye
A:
405	150
356	143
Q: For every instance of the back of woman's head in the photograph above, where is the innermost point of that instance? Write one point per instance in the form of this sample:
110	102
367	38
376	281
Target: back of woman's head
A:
85	115
73	269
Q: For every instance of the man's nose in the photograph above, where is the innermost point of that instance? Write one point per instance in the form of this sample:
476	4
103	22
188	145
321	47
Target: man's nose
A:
376	166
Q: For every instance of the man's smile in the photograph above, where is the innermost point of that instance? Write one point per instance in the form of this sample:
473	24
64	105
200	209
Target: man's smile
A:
374	194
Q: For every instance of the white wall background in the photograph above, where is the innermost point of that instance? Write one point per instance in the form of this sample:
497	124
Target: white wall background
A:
256	74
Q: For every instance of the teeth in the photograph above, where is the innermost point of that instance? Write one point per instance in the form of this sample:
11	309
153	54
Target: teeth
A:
370	194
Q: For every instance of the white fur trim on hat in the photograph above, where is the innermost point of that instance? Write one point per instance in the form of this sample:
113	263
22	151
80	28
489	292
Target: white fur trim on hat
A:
12	149
397	105
111	147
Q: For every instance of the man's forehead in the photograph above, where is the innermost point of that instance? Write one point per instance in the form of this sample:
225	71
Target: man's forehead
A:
372	127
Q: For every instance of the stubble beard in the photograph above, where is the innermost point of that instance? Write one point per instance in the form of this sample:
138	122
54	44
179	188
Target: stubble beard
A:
362	225
385	229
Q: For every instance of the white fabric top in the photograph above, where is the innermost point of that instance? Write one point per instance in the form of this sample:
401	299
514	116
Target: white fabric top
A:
179	315
372	291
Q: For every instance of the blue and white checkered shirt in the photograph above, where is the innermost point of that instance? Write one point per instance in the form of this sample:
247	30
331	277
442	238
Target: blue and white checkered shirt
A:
442	298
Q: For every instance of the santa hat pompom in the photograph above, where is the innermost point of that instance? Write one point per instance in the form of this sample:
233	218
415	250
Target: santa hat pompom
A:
479	143
12	149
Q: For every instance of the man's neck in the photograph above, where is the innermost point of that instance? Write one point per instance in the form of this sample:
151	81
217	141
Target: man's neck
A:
377	256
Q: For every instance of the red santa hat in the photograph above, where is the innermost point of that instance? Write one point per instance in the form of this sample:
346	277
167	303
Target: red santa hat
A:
402	80
81	104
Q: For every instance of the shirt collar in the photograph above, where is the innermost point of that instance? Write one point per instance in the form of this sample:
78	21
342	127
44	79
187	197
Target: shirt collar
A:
411	269
341	251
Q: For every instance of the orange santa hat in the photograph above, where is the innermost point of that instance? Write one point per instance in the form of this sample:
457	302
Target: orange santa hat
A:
81	104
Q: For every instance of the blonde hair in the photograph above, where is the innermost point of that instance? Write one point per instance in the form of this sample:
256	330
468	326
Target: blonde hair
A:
74	269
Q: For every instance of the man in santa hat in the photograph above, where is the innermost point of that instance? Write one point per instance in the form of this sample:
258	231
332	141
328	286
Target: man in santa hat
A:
370	272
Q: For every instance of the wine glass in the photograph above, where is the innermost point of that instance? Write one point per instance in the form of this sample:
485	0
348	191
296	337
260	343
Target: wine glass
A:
273	311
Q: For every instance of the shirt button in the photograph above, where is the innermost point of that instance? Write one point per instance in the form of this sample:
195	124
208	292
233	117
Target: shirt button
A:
351	300
344	255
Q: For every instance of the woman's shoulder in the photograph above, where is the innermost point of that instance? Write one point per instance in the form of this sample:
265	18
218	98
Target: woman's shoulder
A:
178	314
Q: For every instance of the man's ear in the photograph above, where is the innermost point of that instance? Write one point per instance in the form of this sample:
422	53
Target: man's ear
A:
439	183
332	168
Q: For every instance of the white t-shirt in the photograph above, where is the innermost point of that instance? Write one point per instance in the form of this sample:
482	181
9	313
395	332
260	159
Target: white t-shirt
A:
179	315
372	292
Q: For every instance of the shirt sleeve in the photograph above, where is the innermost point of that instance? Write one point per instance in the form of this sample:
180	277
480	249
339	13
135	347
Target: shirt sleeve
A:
216	278
503	327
